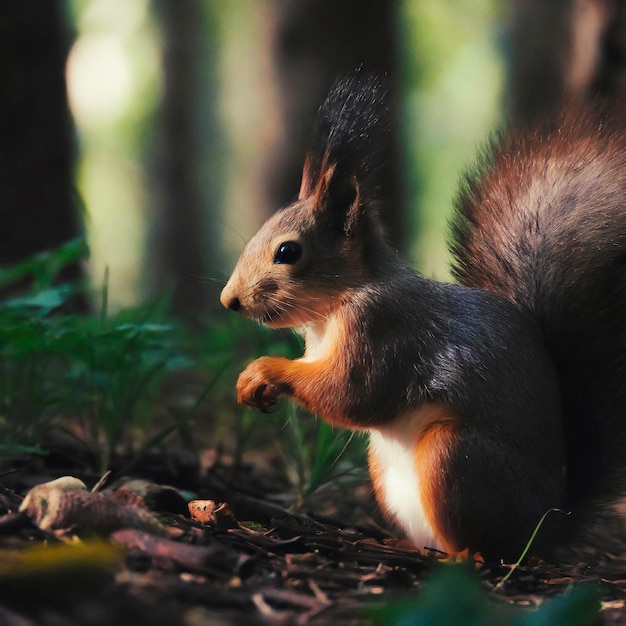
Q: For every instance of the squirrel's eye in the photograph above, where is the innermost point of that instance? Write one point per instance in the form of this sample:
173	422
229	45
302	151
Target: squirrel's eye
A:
288	253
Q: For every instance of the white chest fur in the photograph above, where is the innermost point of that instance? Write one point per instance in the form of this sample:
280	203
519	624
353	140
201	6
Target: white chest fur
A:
321	338
398	482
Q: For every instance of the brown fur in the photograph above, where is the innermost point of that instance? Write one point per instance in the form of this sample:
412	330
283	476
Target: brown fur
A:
310	380
432	452
555	191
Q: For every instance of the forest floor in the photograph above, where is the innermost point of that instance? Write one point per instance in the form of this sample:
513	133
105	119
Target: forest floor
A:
245	559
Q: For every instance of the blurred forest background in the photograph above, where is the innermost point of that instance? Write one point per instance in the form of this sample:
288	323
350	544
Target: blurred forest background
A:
163	132
185	121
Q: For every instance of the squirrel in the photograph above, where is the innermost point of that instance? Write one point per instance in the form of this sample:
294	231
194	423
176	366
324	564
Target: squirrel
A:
488	401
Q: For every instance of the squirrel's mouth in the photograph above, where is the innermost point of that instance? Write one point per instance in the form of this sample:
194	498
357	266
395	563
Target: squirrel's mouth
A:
278	318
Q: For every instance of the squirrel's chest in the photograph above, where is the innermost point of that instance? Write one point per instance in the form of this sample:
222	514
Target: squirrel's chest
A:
398	484
323	338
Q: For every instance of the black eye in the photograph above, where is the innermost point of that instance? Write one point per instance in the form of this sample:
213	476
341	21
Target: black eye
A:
288	253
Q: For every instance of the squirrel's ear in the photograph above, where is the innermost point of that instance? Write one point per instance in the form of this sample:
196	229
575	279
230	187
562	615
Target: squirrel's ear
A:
336	194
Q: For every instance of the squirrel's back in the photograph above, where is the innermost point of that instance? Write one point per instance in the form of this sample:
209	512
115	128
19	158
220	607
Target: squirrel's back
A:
542	222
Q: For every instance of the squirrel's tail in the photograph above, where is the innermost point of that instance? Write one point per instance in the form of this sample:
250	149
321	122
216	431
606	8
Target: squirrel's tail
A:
542	222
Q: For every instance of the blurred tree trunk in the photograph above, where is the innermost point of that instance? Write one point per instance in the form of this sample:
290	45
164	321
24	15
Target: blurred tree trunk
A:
182	245
316	42
564	48
610	75
37	199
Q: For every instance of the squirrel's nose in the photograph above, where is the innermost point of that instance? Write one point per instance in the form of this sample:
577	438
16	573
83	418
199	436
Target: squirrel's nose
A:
228	299
233	304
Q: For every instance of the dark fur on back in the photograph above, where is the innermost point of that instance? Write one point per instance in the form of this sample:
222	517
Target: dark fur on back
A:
542	222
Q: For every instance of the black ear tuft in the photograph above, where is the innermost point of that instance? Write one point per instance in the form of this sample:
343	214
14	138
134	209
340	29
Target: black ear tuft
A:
351	135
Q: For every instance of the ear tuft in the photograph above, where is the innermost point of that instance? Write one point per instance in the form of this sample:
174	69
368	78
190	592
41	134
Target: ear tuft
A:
346	170
337	195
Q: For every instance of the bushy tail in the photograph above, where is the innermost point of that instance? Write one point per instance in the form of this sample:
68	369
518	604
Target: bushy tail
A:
542	222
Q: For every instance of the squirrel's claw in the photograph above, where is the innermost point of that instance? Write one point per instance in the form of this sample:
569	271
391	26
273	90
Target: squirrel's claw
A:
259	399
263	401
255	390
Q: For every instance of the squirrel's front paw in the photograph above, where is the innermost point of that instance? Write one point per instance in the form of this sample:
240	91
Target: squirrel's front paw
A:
259	385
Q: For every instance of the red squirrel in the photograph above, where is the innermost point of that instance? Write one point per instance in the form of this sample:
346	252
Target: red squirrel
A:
487	402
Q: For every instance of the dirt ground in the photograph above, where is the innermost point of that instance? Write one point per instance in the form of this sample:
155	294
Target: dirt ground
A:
243	559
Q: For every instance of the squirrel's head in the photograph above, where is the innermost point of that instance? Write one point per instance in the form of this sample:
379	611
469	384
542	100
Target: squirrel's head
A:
307	257
310	255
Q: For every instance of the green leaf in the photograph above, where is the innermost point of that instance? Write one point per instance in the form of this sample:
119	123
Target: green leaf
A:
579	607
454	595
12	450
44	267
43	302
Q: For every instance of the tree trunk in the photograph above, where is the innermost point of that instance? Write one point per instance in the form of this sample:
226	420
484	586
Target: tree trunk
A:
37	197
182	244
610	76
573	49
